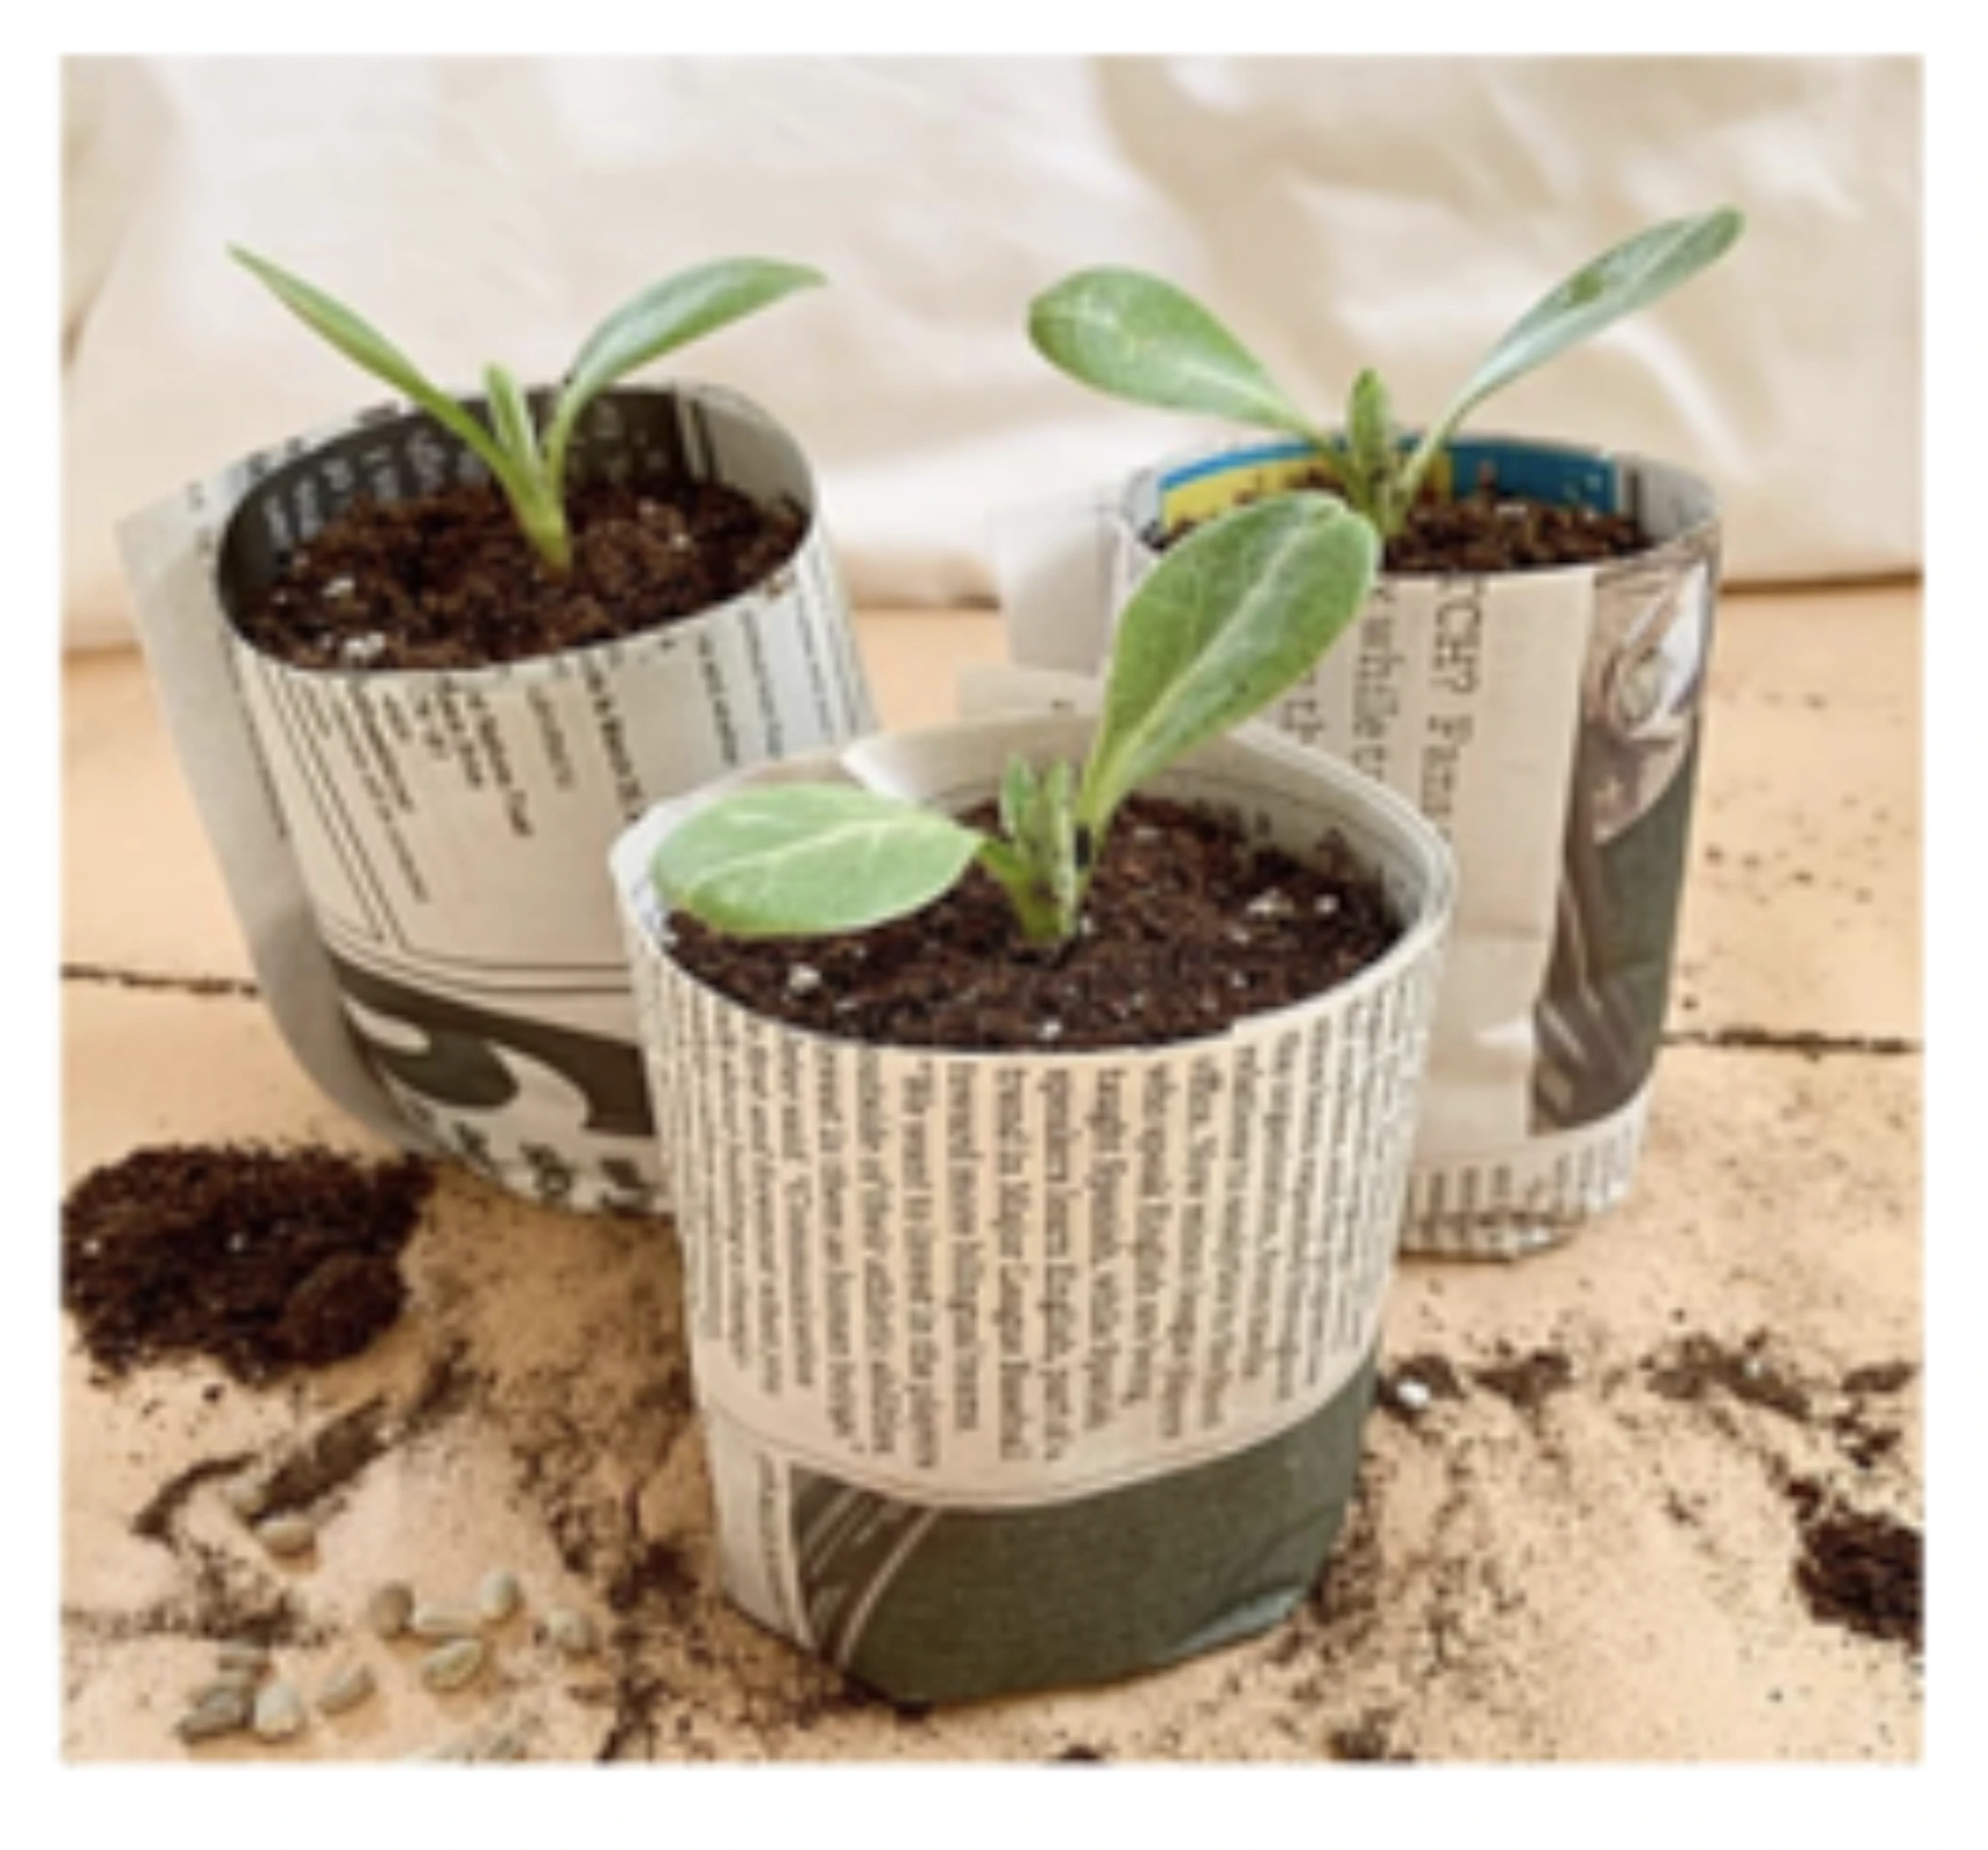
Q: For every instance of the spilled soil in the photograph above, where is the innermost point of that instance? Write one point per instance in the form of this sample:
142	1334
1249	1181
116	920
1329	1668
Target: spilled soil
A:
266	1261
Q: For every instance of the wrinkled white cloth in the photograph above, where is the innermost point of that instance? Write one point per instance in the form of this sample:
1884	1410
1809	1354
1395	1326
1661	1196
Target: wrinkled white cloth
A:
1334	212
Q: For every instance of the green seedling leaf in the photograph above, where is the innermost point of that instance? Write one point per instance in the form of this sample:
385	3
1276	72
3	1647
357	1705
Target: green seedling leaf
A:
535	500
665	316
1038	864
805	860
366	347
1371	453
1136	336
1630	277
1230	617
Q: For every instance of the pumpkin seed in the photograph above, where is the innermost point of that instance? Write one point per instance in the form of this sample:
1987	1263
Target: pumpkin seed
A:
248	1497
570	1632
232	1683
242	1654
439	1621
287	1534
220	1710
498	1595
279	1713
454	1665
346	1687
503	1742
228	1683
388	1608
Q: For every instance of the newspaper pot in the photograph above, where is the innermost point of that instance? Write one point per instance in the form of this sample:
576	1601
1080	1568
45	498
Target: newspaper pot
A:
443	830
1025	1370
1548	722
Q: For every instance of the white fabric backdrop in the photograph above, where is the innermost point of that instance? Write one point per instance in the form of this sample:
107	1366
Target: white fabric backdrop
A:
1334	212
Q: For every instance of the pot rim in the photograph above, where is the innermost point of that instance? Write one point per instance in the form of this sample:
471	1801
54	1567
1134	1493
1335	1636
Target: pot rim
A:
1266	448
382	416
1421	937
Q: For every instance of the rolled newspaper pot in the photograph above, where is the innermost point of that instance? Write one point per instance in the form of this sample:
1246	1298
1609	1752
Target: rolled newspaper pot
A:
1026	1369
416	856
1547	721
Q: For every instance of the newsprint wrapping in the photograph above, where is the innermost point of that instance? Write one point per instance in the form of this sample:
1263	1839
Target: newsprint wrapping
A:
1548	722
1020	1370
416	857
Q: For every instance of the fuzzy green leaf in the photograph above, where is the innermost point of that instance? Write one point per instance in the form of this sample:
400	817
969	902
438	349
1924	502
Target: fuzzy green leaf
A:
1367	467
805	860
667	315
1138	338
1229	619
1630	276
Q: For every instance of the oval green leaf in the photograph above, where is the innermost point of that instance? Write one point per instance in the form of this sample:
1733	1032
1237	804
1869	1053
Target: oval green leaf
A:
1229	619
1136	336
667	315
805	860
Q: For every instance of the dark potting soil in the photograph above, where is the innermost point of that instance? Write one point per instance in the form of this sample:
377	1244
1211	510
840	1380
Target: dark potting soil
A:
1698	1365
265	1261
446	579
1528	1381
1484	531
1190	927
1860	1569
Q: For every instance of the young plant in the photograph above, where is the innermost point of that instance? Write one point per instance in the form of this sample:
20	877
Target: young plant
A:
1227	621
528	465
1136	336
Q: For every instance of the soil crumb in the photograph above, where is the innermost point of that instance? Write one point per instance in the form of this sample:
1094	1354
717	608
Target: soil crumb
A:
1527	1381
1860	1569
1698	1365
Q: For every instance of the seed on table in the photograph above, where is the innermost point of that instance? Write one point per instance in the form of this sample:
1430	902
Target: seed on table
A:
389	1607
219	1712
279	1713
242	1654
454	1665
287	1534
498	1595
228	1683
504	1742
570	1632
240	1679
346	1687
440	1621
247	1497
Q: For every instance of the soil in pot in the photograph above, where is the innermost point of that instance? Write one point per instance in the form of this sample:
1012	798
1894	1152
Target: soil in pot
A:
446	579
1190	927
265	1261
1485	531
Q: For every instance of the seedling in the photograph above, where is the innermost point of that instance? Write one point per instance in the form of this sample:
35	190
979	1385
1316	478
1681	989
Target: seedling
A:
1227	621
530	466
1136	336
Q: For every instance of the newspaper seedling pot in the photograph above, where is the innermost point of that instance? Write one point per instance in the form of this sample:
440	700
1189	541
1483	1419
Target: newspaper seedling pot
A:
1547	721
1030	1369
415	855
